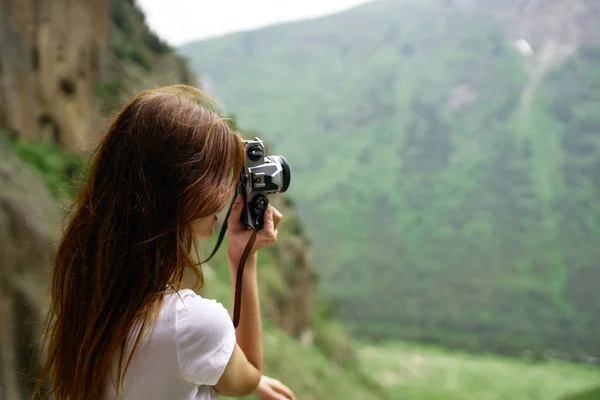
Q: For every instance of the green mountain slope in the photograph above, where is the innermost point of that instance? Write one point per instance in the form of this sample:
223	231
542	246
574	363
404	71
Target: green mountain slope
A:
446	182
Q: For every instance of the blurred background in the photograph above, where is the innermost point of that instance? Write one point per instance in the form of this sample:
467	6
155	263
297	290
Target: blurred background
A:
442	231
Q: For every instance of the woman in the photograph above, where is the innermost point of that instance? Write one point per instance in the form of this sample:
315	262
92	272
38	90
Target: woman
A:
120	324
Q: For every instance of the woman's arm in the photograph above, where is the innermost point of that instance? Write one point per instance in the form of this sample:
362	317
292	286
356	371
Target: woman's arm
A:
243	373
248	333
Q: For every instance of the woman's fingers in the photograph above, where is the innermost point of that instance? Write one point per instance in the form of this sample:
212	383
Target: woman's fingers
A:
269	231
277	217
272	389
267	392
274	394
284	390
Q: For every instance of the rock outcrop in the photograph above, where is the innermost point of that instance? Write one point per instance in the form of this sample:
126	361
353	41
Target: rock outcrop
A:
567	23
28	215
51	52
293	303
63	64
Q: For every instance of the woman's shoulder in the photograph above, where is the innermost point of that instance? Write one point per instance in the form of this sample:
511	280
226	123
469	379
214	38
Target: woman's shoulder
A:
189	294
196	311
189	298
175	297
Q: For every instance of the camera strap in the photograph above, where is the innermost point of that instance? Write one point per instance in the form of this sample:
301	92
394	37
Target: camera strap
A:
237	303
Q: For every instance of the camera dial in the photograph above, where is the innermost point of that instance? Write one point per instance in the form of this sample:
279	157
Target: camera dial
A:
260	202
255	152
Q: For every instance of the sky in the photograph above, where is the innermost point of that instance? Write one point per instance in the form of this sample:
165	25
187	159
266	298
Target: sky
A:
180	21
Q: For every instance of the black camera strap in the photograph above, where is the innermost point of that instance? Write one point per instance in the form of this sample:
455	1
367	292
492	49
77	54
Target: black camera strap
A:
237	304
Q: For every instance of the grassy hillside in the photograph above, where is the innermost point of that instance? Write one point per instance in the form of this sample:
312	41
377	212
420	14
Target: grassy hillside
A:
310	371
593	394
427	373
447	184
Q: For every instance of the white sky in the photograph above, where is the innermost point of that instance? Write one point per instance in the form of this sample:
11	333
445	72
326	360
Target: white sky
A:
180	21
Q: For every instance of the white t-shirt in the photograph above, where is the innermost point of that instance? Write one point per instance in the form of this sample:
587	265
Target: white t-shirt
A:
183	355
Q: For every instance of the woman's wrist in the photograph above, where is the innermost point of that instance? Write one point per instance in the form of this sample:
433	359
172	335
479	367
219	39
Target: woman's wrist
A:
234	256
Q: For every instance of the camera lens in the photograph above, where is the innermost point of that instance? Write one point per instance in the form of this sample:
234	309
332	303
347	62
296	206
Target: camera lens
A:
285	171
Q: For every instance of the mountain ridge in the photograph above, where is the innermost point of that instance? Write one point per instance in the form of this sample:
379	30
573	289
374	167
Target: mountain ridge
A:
435	171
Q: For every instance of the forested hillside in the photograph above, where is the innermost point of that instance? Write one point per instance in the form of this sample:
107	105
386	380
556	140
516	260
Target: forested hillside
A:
448	182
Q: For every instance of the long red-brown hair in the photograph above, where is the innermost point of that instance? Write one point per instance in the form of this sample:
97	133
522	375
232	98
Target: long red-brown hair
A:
166	160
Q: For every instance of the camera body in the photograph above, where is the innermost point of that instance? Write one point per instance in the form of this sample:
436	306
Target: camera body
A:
262	175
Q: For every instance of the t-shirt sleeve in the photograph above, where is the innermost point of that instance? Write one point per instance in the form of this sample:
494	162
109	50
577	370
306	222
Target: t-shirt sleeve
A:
205	338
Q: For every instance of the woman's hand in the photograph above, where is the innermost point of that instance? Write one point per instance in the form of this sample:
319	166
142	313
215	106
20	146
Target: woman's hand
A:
238	234
272	389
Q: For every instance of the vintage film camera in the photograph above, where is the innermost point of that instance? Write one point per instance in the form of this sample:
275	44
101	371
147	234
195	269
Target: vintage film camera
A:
262	175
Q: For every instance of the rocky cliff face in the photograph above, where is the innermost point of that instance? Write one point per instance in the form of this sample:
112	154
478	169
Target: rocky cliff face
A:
64	68
27	220
51	53
61	61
